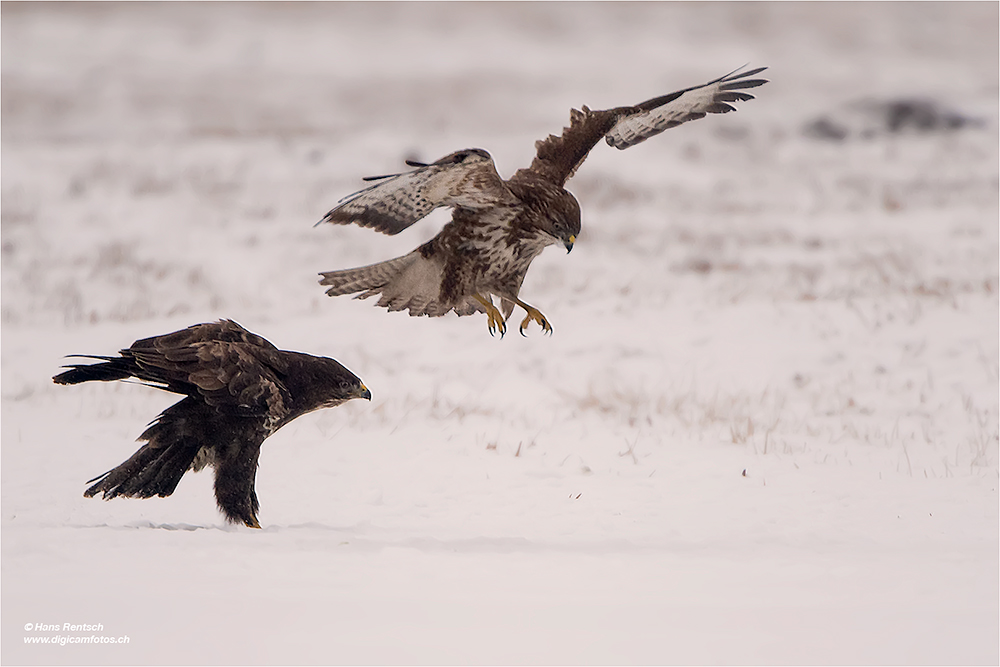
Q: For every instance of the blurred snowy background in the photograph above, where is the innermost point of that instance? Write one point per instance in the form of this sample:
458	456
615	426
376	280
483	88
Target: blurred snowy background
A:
765	429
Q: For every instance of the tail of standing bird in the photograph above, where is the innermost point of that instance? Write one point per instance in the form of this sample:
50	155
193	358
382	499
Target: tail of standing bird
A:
113	368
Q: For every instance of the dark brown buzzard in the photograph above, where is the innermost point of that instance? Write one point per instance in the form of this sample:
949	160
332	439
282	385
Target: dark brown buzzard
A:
238	389
498	227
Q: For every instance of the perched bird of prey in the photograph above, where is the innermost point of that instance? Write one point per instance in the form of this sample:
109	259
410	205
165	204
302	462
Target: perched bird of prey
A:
499	226
238	389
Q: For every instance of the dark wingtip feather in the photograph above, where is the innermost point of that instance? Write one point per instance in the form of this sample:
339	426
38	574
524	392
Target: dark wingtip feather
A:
736	74
380	178
740	85
92	490
719	107
732	96
737	80
409	163
757	70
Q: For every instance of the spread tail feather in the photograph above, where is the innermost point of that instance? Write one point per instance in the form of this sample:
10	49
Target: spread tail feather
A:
411	282
371	278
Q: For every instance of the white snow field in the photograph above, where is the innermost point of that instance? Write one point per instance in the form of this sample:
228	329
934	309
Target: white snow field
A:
765	429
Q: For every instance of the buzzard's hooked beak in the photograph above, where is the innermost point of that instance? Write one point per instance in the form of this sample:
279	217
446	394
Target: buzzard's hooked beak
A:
569	243
364	393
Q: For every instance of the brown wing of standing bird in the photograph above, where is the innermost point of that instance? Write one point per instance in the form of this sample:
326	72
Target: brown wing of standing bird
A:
238	389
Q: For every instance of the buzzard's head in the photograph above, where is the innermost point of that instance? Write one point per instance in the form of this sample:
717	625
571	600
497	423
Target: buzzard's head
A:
321	382
563	220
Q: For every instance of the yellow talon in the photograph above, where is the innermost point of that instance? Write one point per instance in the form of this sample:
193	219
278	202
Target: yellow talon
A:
496	321
533	314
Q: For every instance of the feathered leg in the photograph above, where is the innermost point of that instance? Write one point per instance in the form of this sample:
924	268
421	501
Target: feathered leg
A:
234	484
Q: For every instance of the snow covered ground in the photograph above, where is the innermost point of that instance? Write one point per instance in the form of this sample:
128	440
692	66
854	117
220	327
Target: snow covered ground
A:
765	429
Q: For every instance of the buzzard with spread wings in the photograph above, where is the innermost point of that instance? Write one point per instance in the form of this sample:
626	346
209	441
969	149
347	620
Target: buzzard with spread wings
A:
238	389
499	226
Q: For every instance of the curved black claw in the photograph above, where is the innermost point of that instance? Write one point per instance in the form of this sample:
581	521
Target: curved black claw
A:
535	316
494	320
498	325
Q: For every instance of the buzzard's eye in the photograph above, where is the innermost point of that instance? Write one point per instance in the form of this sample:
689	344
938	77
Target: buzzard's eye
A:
461	157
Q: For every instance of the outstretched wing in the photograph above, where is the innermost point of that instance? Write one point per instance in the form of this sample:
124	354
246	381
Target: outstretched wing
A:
466	178
661	113
558	158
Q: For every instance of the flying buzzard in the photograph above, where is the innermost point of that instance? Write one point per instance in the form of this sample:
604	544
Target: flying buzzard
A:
238	389
498	227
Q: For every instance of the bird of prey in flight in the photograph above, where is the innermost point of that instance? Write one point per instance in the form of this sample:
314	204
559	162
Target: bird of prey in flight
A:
499	226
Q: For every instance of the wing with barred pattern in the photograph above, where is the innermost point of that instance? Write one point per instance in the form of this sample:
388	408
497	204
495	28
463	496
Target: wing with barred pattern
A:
466	178
558	158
